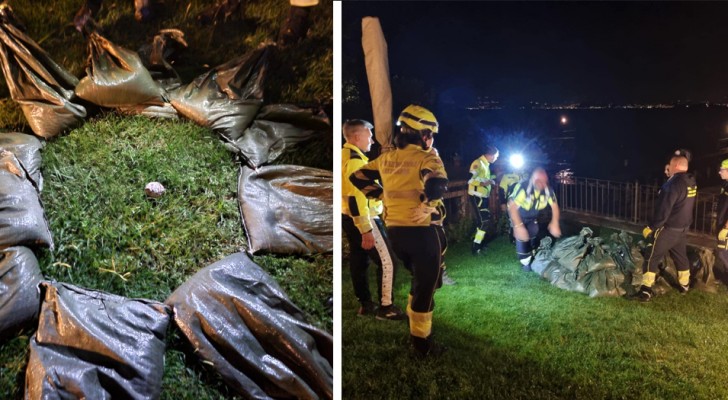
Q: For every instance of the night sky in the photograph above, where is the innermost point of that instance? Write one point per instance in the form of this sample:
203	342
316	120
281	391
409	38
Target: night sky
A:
556	52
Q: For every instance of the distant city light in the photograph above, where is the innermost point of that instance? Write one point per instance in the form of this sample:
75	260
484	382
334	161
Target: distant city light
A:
564	120
516	161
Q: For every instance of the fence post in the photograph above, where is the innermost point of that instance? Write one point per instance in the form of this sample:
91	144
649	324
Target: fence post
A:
635	216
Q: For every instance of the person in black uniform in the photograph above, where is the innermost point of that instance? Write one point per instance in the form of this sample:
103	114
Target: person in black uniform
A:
669	224
722	222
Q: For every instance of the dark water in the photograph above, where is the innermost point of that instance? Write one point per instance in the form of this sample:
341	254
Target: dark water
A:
615	144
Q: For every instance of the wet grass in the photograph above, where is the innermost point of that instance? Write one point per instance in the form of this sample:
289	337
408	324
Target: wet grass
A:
511	335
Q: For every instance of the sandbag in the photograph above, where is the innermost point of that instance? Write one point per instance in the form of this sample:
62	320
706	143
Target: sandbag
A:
116	77
19	295
570	251
276	129
155	57
598	272
241	322
96	345
287	209
543	256
22	221
226	98
27	150
42	88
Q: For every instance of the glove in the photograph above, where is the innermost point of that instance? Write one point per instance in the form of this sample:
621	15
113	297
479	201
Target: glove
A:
646	232
422	212
723	234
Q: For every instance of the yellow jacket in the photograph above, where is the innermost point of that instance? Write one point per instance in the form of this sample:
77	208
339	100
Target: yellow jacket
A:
404	175
480	168
529	204
353	201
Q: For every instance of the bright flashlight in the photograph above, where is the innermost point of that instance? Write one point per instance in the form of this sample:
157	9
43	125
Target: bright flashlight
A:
516	161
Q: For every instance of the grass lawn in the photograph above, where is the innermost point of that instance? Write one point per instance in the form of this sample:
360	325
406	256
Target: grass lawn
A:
108	236
512	335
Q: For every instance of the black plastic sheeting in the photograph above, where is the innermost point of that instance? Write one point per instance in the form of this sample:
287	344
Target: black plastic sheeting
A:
228	97
287	209
27	149
155	57
241	322
19	295
96	345
276	129
116	77
22	221
43	88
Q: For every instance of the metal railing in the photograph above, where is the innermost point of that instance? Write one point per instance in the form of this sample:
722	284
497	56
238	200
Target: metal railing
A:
628	202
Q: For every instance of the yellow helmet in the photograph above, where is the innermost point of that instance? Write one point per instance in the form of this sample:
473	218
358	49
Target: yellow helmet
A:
418	118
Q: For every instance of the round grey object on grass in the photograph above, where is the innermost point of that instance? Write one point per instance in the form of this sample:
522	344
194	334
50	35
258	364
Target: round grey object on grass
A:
154	190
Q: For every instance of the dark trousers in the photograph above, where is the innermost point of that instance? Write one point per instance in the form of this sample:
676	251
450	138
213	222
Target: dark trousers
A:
482	217
670	241
359	260
420	247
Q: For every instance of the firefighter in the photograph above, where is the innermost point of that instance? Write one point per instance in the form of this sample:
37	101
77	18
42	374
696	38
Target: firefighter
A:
364	229
479	187
672	217
412	180
528	198
722	222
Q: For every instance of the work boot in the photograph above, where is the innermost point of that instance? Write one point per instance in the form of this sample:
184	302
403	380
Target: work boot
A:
426	347
446	280
478	248
367	308
391	313
644	295
683	289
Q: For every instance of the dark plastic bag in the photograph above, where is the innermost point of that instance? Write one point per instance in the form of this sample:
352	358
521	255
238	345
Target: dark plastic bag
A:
19	295
22	221
570	251
43	88
241	322
27	149
287	209
226	98
543	256
276	129
96	345
155	57
116	77
598	272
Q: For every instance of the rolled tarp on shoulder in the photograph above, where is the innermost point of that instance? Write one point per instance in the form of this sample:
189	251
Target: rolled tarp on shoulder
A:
22	220
277	129
228	97
116	77
27	150
380	90
42	88
287	209
19	295
239	321
96	345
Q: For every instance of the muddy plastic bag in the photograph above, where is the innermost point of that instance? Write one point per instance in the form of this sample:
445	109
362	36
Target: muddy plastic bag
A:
96	345
241	322
226	98
43	88
598	272
116	77
22	221
155	57
276	129
27	150
543	256
19	295
287	209
570	251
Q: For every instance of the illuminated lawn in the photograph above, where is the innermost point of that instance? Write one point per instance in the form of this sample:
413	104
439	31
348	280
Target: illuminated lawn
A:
512	335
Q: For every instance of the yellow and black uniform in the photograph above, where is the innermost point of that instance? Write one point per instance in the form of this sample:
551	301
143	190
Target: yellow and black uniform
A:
505	188
722	221
671	220
359	216
410	178
530	202
479	196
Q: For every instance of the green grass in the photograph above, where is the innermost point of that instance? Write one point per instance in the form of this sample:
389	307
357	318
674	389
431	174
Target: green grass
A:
108	236
511	335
